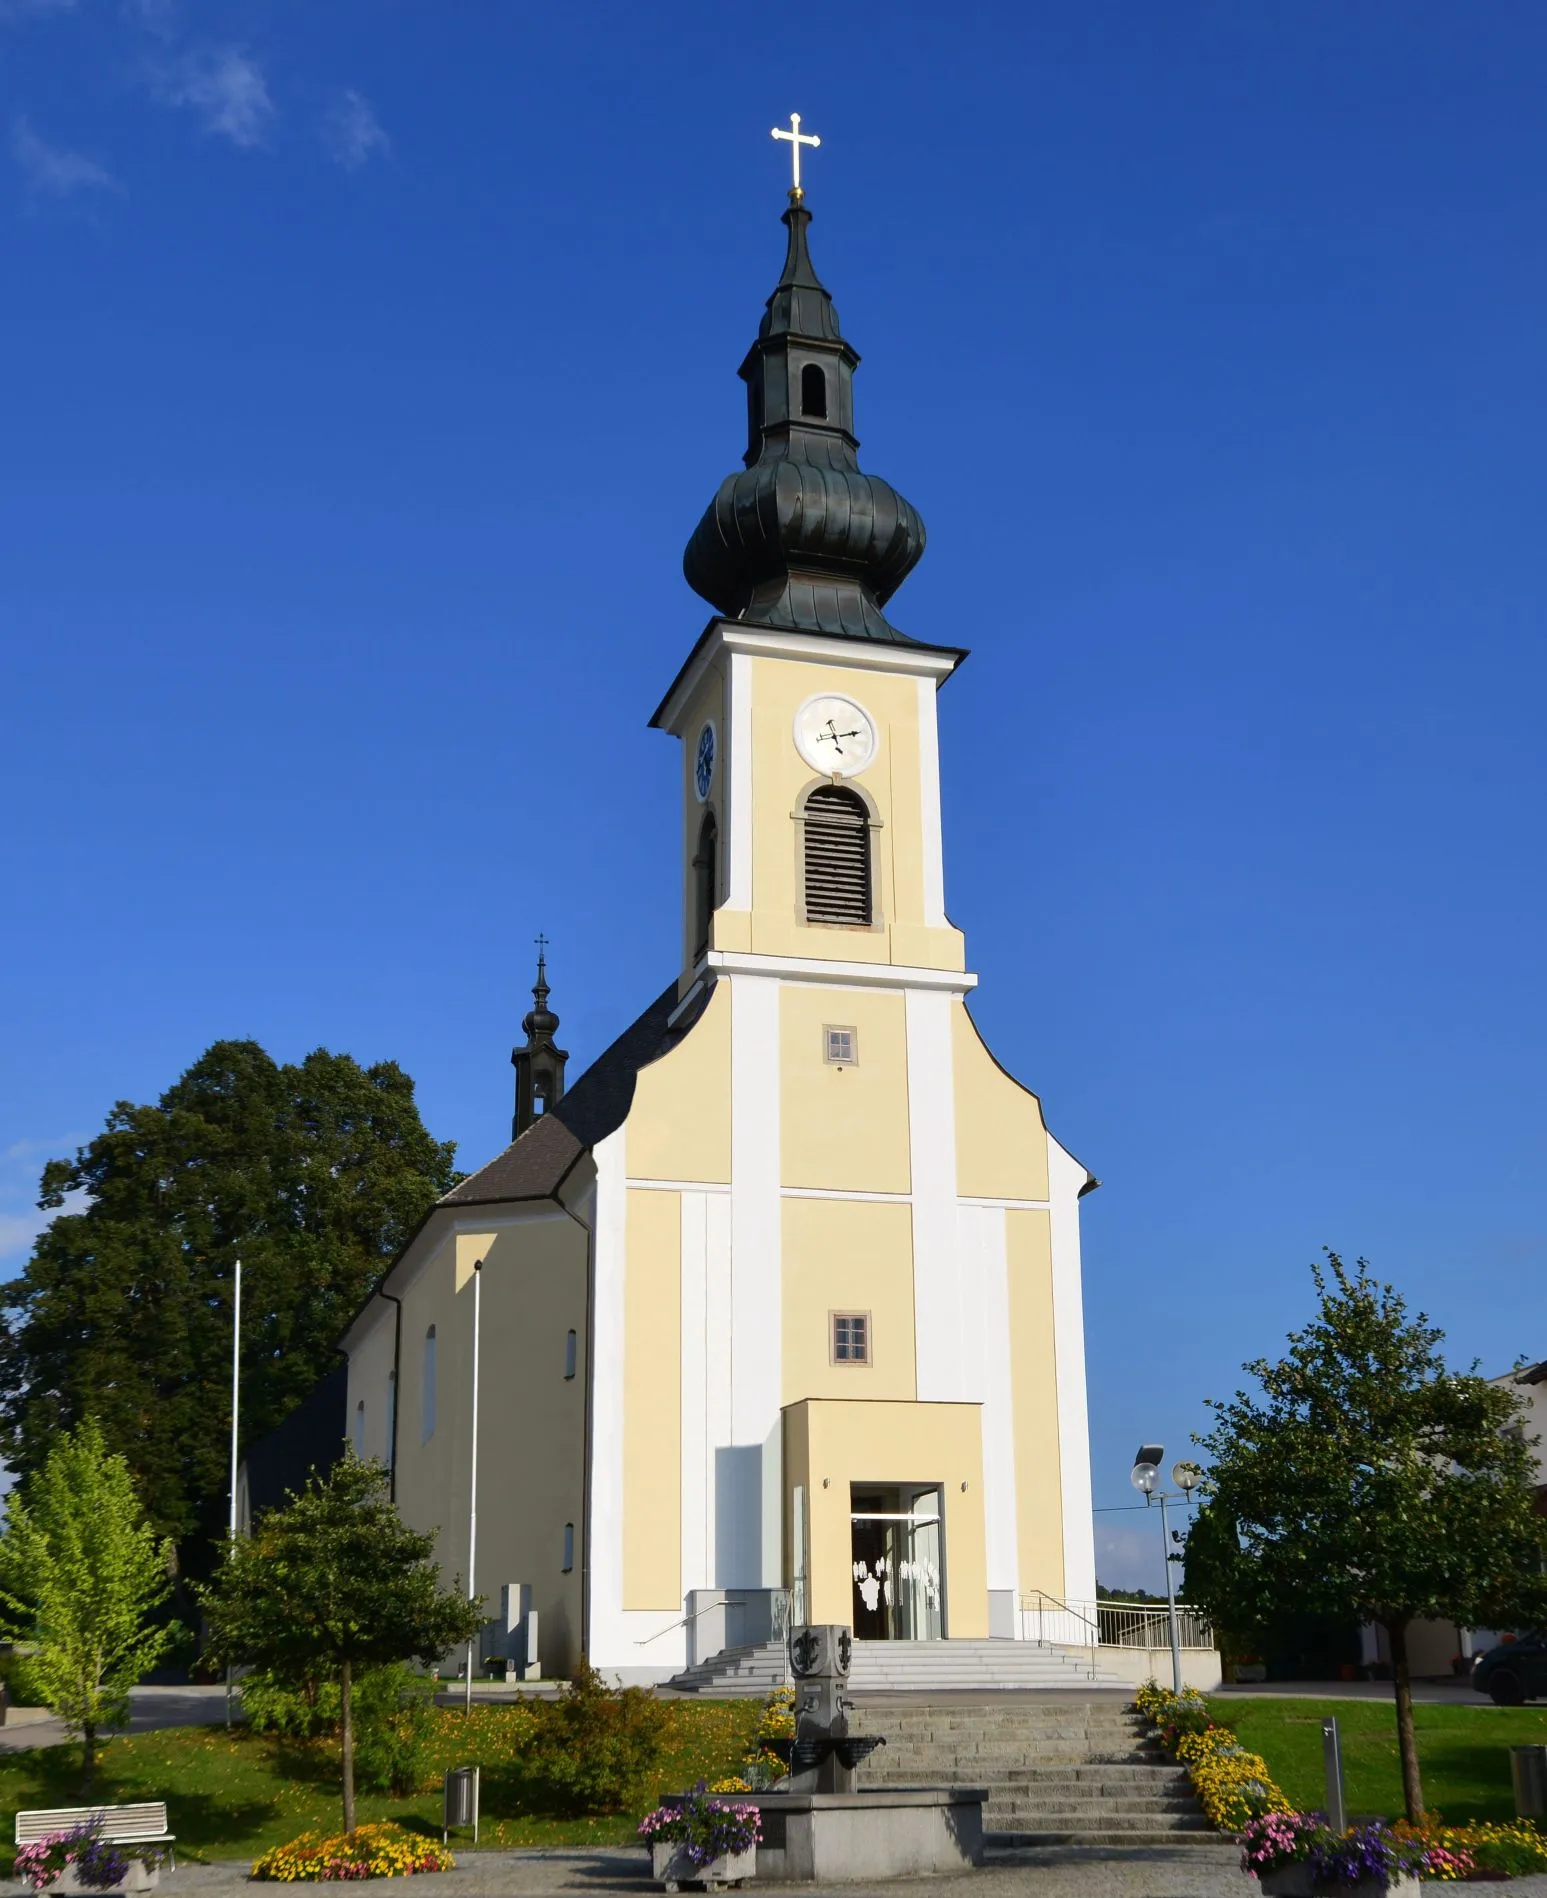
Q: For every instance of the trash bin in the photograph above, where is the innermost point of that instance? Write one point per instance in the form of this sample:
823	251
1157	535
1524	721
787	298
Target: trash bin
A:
1528	1769
460	1801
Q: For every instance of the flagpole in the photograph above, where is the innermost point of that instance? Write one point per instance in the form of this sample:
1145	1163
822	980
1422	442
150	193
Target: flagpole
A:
236	1392
472	1506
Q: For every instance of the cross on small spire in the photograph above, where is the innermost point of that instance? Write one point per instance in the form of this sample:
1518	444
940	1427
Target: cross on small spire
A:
542	946
795	138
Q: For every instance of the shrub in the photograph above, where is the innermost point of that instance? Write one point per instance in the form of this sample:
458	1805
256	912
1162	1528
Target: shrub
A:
391	1720
393	1712
377	1851
596	1748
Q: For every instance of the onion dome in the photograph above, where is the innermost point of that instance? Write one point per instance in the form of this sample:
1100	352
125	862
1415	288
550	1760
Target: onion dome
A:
801	538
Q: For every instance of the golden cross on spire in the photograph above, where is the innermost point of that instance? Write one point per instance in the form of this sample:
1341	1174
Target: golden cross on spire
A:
795	138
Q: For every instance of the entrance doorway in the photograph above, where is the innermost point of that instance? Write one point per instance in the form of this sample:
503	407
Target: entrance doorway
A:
899	1561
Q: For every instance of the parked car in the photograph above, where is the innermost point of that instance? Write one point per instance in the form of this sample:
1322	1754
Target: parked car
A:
1512	1672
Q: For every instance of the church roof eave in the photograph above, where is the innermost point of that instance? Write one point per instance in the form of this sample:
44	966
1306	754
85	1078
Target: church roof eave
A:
660	718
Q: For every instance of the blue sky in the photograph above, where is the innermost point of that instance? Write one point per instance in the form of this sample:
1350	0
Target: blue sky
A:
367	367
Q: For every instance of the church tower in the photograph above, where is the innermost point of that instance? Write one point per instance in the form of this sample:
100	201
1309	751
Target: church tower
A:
539	1065
786	1285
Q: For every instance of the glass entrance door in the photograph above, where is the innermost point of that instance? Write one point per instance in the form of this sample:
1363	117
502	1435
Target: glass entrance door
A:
898	1561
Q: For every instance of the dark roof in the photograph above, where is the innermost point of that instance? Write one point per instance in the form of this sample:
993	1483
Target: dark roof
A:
1532	1374
536	1165
310	1438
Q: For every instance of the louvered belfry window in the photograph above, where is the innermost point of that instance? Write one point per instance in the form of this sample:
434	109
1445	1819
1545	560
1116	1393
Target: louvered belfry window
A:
837	857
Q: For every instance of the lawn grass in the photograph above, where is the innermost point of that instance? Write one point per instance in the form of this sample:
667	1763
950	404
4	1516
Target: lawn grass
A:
234	1795
1463	1752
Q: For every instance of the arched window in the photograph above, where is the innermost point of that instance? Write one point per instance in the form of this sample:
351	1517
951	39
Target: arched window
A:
705	879
391	1421
837	857
360	1428
813	392
571	1344
569	1547
427	1395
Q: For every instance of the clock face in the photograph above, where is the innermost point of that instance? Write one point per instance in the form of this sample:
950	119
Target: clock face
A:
703	762
835	736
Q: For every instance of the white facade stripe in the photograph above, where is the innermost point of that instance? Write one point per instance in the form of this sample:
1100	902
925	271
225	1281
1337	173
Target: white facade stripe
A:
1065	1178
929	807
738	787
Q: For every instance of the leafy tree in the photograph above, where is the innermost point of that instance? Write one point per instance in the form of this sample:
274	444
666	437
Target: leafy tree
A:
80	1571
313	1175
1369	1483
332	1584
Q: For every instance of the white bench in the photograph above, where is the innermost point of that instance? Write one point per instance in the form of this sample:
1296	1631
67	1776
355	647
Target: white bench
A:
144	1824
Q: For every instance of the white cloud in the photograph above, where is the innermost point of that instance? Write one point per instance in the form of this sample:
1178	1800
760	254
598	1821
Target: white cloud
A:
227	89
353	132
58	172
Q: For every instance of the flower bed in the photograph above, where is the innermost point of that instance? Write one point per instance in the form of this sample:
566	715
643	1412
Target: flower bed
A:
96	1865
703	1827
1233	1786
377	1851
1369	1854
1511	1851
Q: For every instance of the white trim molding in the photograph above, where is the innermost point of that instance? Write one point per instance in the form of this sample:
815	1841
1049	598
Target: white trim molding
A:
738	784
766	642
859	975
611	1636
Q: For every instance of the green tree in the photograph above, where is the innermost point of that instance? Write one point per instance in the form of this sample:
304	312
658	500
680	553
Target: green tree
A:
80	1571
314	1175
1368	1483
330	1585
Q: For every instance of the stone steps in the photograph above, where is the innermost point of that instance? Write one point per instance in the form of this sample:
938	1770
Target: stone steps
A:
1058	1772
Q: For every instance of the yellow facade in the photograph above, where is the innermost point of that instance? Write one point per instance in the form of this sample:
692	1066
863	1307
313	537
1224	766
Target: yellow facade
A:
843	1127
1034	1395
850	1256
652	1441
1001	1141
830	1446
680	1126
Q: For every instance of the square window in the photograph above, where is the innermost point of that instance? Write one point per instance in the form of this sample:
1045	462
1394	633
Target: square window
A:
851	1337
840	1047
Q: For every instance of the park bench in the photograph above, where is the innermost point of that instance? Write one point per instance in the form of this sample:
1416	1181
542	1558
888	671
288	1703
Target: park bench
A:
144	1824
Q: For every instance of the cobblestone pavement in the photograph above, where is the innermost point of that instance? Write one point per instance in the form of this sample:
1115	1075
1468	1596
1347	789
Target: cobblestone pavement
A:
1208	1871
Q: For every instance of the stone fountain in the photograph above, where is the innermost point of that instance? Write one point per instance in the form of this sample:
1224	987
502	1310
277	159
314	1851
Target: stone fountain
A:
818	1824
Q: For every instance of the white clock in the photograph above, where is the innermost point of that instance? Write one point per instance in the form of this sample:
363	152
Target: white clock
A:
835	736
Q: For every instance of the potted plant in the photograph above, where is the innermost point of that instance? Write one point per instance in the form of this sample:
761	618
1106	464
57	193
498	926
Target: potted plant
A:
701	1840
1298	1855
82	1860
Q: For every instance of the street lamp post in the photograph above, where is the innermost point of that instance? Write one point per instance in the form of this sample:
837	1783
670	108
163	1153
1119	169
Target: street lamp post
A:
1144	1477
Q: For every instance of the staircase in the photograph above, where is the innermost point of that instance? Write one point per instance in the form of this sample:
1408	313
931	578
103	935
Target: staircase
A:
912	1667
1060	1768
904	1667
735	1673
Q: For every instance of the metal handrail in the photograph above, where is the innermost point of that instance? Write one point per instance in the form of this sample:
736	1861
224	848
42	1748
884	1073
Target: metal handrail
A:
1110	1623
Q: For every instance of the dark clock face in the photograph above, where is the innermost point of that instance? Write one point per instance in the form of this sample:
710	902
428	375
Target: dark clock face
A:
703	763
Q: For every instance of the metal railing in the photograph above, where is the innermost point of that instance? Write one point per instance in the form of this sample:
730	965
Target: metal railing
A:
1108	1624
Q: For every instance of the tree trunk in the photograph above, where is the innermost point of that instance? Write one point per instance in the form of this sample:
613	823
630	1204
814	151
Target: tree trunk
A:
1407	1740
88	1757
347	1725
